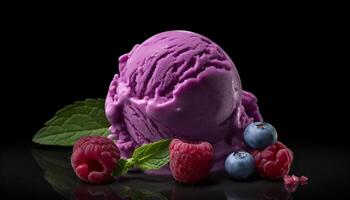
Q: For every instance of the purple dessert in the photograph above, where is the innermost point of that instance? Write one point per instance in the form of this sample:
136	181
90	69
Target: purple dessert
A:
179	84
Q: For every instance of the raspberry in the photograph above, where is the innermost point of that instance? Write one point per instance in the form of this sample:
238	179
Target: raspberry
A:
190	161
291	180
287	180
304	180
291	183
274	161
94	158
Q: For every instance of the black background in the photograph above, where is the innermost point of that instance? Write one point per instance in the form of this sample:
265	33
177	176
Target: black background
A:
290	56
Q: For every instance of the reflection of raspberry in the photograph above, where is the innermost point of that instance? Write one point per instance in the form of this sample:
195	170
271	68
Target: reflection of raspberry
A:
92	192
94	158
190	161
274	161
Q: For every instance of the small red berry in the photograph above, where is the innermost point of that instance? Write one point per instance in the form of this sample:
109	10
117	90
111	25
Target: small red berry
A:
190	161
288	180
94	158
291	180
274	161
291	183
304	180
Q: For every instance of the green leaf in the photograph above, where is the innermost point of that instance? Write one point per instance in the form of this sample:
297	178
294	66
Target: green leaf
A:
147	157
57	169
74	121
140	194
152	156
121	168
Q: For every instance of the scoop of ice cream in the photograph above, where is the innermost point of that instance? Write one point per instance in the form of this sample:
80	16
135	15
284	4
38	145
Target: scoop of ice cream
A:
179	84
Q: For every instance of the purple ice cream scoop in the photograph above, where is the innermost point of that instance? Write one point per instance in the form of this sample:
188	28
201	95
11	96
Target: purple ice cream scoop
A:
179	84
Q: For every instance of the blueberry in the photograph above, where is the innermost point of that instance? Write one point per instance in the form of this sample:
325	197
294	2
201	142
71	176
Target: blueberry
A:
259	135
240	165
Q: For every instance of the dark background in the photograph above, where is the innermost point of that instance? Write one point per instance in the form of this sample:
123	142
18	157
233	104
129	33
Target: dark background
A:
290	56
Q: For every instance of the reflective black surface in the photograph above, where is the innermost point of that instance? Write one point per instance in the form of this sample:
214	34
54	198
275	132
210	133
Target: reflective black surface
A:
31	171
290	57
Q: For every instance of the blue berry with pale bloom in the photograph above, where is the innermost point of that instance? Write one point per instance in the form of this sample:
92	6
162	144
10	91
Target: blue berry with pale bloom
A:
259	135
240	165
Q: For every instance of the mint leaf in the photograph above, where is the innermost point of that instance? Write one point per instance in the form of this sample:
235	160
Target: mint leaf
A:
152	156
122	168
147	157
140	194
74	121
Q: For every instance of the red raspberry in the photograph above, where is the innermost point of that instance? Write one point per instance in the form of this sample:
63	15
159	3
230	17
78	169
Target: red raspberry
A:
291	180
190	161
304	180
274	161
94	158
291	183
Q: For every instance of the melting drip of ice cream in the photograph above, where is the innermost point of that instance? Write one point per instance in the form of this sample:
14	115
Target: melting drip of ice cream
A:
179	84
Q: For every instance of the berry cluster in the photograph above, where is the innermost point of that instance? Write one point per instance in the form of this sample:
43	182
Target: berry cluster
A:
269	157
95	157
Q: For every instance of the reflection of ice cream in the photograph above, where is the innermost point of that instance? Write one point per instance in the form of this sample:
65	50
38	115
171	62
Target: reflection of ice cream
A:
179	84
